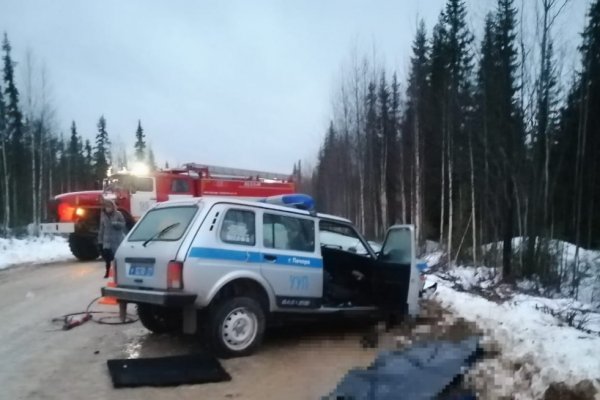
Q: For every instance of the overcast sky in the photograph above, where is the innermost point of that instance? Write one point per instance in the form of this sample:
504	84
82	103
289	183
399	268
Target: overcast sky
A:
237	83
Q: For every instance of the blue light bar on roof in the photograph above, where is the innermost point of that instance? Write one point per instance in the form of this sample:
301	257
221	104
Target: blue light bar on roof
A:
298	200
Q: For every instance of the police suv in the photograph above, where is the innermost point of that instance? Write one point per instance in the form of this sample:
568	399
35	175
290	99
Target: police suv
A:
224	266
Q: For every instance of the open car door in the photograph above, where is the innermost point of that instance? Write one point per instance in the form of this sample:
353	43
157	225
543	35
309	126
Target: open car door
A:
393	271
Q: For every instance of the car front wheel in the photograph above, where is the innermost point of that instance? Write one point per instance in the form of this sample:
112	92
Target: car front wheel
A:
236	327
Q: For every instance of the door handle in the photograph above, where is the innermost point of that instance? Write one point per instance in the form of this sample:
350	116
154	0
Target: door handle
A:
270	257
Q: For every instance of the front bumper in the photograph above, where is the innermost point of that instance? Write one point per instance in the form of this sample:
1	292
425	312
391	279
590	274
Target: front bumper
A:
57	228
161	298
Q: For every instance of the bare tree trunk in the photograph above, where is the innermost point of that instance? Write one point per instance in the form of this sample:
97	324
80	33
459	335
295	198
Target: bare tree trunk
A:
521	222
473	211
383	191
33	182
450	194
443	182
462	239
40	178
579	183
402	189
417	188
590	216
450	205
6	177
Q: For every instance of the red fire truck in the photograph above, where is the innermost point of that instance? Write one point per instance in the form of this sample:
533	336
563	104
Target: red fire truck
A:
77	214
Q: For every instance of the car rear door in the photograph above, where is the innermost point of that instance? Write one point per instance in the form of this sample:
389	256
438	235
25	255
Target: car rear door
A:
291	260
394	278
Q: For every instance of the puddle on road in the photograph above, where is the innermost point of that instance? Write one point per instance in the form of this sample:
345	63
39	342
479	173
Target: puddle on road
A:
141	343
132	349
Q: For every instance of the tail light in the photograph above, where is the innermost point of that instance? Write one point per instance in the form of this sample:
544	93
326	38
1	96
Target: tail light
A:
175	275
65	212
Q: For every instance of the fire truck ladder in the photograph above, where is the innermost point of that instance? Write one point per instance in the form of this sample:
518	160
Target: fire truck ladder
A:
225	172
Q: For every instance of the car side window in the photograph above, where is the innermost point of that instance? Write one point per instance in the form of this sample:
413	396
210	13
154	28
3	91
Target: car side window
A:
341	237
397	247
288	233
239	228
141	184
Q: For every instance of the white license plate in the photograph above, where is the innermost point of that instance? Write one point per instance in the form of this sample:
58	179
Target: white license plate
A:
140	270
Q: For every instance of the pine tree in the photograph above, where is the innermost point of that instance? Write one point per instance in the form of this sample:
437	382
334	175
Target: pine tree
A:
101	152
509	125
140	143
14	127
371	162
386	150
4	169
577	146
151	160
415	125
88	162
435	165
73	164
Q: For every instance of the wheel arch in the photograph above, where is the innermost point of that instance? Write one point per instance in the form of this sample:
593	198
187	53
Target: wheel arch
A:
243	284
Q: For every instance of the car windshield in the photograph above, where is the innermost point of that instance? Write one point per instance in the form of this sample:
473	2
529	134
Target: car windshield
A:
158	219
113	183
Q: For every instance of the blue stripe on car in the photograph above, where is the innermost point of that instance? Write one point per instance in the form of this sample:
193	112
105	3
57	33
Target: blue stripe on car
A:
253	257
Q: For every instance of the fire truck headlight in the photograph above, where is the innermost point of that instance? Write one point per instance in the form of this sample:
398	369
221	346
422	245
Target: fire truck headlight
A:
80	212
140	169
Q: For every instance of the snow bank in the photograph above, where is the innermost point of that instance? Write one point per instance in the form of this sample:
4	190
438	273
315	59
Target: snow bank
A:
33	250
564	256
531	340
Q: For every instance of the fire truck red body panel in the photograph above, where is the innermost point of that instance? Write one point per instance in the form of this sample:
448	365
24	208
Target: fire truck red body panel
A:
77	213
164	182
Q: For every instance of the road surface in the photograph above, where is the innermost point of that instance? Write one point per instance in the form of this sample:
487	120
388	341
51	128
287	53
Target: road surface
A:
39	361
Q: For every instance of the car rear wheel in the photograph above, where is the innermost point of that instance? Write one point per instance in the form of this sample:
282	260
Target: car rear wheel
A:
159	319
236	327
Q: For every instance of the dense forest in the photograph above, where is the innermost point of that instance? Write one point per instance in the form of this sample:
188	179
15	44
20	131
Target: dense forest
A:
37	161
474	148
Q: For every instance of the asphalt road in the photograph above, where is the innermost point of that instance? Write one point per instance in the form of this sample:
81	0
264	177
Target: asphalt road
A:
40	361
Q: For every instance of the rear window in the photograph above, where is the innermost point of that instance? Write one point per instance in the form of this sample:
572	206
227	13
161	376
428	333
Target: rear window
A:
159	218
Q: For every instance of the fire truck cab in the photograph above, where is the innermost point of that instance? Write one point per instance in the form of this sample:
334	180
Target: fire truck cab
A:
77	214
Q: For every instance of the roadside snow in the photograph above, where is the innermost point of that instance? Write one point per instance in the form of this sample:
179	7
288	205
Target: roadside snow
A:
564	255
530	339
433	258
33	250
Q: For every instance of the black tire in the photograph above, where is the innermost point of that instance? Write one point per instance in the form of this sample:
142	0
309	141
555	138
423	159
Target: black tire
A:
243	312
159	319
83	248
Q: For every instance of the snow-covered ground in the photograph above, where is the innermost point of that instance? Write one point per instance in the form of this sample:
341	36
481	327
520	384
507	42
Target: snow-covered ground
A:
33	250
530	337
537	345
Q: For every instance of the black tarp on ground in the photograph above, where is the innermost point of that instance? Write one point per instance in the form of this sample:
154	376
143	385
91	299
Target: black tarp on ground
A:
166	371
421	372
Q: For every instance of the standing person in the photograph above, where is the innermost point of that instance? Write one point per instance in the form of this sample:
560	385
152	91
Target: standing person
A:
111	232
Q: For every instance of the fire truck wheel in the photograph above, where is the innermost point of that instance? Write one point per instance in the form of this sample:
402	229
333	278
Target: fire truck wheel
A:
159	319
83	248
